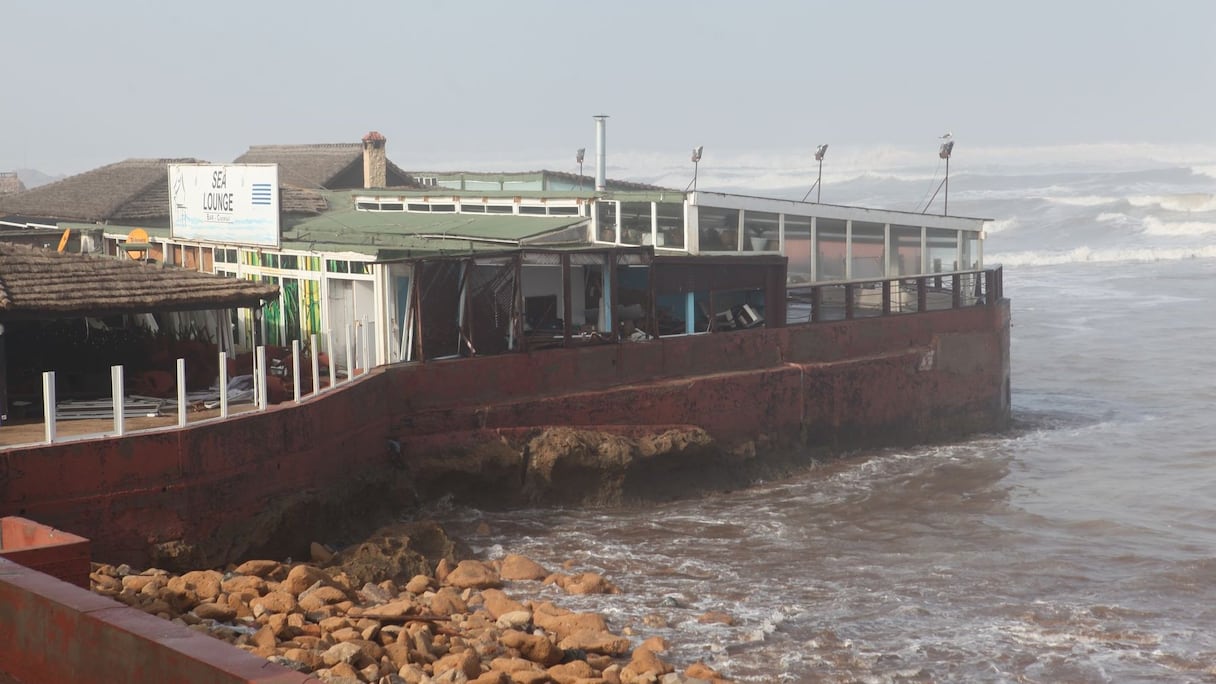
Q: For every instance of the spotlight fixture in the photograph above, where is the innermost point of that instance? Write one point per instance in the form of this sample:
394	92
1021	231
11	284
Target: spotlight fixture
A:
944	152
819	152
696	162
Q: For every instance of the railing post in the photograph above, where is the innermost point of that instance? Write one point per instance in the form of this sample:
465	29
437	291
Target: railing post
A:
259	381
848	301
316	365
922	294
367	348
116	391
48	404
956	290
295	370
886	297
223	385
816	304
181	392
350	360
329	347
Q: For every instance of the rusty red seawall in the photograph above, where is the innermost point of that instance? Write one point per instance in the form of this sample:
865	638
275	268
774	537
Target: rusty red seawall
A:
190	494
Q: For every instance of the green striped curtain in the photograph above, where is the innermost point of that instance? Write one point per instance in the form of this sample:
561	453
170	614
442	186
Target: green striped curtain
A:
272	313
310	306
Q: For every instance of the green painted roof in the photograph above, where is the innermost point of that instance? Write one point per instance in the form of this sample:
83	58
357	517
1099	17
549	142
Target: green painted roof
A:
436	193
387	225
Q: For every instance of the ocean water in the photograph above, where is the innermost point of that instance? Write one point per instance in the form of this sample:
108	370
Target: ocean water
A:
1079	546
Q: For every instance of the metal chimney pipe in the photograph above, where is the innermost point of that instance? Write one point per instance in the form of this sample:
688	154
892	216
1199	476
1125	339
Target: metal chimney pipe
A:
601	183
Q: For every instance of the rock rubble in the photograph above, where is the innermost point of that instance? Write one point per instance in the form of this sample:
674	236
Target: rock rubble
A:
453	625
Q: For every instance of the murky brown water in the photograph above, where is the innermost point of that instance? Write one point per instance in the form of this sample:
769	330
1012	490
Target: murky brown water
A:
1080	547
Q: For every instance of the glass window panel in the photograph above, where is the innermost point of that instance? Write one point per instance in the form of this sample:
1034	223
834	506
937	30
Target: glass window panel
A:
761	231
869	252
798	247
606	212
830	249
636	223
943	250
905	250
671	225
718	229
971	251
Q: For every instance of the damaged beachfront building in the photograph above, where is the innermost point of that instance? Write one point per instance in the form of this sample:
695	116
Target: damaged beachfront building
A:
384	265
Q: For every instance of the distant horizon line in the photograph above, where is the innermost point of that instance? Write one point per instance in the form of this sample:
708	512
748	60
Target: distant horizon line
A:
876	159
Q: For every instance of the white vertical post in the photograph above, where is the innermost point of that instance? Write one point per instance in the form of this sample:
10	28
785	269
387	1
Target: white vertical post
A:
181	392
316	365
350	361
116	390
848	249
223	385
295	370
48	404
257	384
367	348
260	380
329	349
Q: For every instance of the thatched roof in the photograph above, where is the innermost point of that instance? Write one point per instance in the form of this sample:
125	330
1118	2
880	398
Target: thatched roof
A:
42	283
335	166
131	190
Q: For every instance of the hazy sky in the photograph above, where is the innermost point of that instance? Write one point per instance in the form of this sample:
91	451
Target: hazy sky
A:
514	83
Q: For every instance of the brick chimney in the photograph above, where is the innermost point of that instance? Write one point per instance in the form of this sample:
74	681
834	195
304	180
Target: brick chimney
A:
375	161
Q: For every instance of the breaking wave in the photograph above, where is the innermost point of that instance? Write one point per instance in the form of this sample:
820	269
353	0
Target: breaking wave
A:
1083	200
1156	227
1086	254
1186	202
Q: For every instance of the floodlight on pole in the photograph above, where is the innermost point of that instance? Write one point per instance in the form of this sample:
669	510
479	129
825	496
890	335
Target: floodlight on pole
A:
696	163
943	152
578	158
819	152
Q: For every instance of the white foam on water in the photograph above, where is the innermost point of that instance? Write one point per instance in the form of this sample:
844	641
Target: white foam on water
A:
1207	170
1158	228
1187	202
1081	255
1004	225
1082	200
1114	217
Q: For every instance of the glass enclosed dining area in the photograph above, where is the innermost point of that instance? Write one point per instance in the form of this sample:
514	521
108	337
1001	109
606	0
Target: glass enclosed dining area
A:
823	243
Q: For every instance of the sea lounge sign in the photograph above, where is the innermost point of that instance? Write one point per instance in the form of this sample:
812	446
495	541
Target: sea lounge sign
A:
233	203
